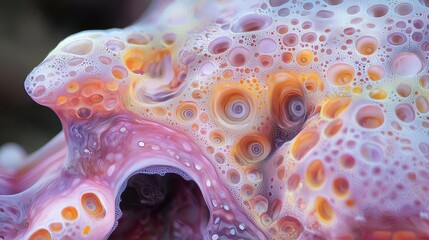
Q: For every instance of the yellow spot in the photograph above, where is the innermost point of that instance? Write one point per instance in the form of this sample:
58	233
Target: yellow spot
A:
333	107
41	234
69	213
357	90
324	210
56	227
72	87
367	45
92	205
340	74
86	230
217	138
422	104
112	85
378	94
376	72
61	100
350	202
119	72
303	143
315	174
304	57
312	83
93	85
251	149
187	111
341	187
333	127
134	60
159	111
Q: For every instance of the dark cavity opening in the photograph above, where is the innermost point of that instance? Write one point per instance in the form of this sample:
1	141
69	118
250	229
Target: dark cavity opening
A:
161	207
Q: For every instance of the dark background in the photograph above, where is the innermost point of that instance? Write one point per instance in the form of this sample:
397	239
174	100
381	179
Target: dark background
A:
29	29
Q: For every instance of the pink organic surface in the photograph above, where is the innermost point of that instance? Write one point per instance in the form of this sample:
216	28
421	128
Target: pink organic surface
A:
296	120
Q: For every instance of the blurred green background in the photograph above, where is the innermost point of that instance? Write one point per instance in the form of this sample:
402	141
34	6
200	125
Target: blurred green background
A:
29	29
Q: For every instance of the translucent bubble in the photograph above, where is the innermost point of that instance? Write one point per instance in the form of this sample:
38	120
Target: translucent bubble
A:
407	64
325	14
417	36
233	176
349	31
309	37
424	81
403	90
251	149
404	9
75	61
333	2
251	22
422	104
376	72
277	3
315	174
293	182
290	39
238	56
289	227
233	105
79	47
138	39
304	57
347	161
115	45
187	111
340	187
418	24
267	45
247	191
308	6
333	128
119	72
296	108
207	69
287	57
303	143
370	117
219	45
217	138
372	152
169	39
283	12
105	60
265	61
340	74
405	112
324	210
285	93
335	106
367	45
259	204
396	38
378	10
353	9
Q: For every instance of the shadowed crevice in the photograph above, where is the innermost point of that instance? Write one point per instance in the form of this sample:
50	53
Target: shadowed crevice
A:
161	207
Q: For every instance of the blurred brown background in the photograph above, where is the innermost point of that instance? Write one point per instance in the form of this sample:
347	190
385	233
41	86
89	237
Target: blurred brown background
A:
29	29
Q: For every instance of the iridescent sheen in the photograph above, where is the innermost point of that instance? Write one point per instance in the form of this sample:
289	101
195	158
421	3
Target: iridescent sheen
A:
295	119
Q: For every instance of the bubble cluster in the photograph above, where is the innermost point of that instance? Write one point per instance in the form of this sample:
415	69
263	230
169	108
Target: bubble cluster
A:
296	119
